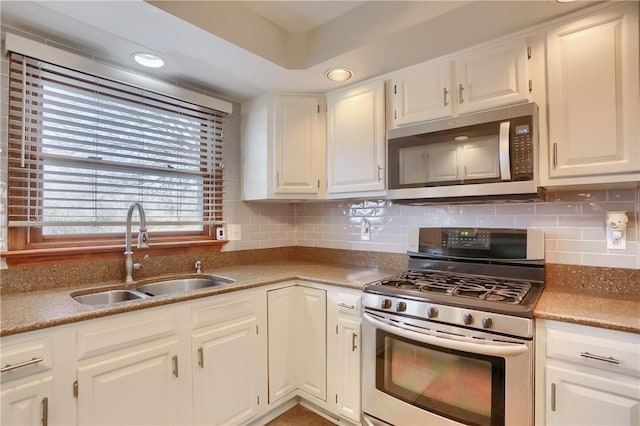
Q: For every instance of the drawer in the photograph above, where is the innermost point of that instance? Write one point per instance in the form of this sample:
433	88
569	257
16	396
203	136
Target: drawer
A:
224	308
595	347
26	358
120	332
348	302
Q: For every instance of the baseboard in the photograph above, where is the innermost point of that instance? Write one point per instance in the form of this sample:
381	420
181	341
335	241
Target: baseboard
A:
276	411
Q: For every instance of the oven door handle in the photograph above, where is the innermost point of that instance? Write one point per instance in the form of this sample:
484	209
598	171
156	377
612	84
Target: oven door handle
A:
502	350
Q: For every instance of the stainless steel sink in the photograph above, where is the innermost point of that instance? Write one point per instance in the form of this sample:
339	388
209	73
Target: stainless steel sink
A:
181	285
110	297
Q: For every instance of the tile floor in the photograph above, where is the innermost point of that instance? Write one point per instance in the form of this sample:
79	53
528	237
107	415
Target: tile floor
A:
299	416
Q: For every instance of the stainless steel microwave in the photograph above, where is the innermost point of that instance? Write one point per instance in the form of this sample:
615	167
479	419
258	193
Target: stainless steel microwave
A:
490	154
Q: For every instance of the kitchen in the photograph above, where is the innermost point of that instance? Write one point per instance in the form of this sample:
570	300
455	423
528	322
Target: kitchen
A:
572	219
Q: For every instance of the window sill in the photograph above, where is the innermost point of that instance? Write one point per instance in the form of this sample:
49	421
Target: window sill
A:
107	252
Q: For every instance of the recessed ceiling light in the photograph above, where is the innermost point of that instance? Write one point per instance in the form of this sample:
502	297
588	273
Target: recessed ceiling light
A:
339	74
148	59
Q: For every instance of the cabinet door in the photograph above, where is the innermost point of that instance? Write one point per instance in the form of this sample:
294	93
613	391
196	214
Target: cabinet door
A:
594	95
281	318
356	139
423	93
443	162
137	386
26	403
580	398
493	77
299	142
348	367
312	341
226	374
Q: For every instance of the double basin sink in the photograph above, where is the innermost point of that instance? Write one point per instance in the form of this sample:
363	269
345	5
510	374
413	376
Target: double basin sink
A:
155	288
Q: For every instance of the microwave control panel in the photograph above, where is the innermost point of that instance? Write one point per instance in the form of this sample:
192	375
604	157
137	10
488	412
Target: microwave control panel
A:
521	148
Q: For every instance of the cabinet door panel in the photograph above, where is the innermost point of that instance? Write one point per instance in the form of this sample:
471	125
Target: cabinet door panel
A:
587	399
137	387
22	404
312	340
443	162
282	342
355	140
594	95
348	370
491	78
297	144
226	374
422	94
481	159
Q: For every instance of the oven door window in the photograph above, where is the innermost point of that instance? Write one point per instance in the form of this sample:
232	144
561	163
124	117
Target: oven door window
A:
461	386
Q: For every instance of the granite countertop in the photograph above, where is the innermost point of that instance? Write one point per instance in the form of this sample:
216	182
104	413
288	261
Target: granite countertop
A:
593	306
35	310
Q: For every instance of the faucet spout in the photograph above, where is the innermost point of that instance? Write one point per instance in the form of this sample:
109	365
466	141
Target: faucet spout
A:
143	239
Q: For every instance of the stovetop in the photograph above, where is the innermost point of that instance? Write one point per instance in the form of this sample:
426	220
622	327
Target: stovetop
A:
466	286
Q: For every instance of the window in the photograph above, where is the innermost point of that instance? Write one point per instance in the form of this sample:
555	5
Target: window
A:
82	148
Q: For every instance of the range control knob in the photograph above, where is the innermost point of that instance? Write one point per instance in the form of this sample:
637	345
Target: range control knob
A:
432	312
487	322
401	307
467	319
386	304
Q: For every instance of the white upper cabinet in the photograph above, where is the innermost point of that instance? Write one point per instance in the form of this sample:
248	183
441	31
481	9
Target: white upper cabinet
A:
594	98
283	147
356	141
485	78
492	77
423	93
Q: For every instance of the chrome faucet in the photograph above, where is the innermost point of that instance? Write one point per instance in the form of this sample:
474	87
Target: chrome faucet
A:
143	241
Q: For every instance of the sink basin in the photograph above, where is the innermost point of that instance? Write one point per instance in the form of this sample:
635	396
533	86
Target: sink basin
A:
109	297
180	285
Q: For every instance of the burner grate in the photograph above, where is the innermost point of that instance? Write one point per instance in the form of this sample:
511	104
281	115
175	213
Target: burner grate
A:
476	287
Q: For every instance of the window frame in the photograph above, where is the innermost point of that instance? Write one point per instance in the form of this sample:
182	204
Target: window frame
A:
28	243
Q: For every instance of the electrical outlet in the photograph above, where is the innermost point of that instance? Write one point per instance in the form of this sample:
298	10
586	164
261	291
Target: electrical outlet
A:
234	233
365	230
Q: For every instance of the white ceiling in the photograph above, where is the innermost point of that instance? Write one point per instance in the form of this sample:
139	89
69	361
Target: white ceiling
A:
240	49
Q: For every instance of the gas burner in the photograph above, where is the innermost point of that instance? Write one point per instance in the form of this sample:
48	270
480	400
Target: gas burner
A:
474	287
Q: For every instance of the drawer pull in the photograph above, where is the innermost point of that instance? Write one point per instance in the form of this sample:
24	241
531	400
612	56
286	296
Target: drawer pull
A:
553	397
610	360
343	305
10	367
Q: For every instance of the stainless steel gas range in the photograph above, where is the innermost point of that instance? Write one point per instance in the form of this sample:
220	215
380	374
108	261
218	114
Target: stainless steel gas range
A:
450	341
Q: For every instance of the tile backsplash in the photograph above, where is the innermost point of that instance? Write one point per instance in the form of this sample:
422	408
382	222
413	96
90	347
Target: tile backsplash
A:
573	221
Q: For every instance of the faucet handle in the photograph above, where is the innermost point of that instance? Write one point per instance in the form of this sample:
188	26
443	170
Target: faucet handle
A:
198	266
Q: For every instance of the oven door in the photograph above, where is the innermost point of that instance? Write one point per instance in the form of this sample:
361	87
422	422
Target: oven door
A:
421	373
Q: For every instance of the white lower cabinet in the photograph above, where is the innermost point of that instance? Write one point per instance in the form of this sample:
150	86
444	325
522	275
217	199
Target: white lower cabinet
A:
297	342
133	369
32	390
229	373
591	376
343	341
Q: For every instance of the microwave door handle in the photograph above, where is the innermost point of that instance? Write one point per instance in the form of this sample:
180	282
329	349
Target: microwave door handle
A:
505	164
502	350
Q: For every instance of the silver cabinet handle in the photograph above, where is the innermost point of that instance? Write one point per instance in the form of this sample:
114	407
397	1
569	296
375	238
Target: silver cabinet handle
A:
45	411
460	90
175	366
10	367
379	170
200	357
555	155
344	305
553	397
354	342
609	359
445	92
